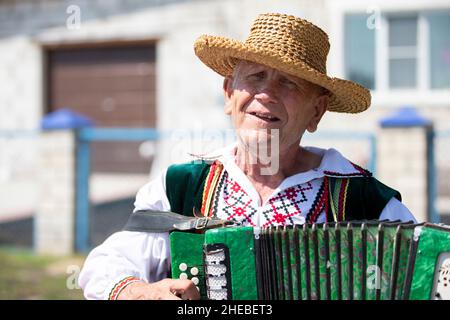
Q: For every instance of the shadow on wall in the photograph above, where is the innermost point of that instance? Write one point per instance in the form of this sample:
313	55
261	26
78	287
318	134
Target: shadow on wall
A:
106	218
17	233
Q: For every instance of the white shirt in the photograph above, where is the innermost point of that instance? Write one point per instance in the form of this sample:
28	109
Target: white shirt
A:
147	255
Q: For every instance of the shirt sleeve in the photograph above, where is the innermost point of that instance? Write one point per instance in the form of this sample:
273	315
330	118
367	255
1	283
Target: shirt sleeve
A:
395	210
129	254
144	256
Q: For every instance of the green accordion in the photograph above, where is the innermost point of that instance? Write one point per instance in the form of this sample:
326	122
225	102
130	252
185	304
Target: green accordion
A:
369	260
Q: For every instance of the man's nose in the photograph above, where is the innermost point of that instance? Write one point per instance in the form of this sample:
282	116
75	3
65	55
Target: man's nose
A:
267	92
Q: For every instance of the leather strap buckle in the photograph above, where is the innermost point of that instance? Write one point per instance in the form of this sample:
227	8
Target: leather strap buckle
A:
201	223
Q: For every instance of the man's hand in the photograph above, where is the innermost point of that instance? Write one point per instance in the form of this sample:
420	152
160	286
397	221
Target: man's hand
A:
166	289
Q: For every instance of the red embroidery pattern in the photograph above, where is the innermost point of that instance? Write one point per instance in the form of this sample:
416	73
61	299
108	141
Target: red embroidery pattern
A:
210	188
342	198
207	186
285	208
361	172
320	203
286	205
238	204
120	285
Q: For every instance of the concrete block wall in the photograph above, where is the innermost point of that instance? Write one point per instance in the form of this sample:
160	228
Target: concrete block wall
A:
54	227
20	107
402	164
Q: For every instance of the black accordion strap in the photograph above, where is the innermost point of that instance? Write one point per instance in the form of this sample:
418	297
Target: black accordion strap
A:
165	221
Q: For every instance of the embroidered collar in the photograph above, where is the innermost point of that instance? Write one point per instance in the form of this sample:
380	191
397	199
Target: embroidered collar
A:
333	163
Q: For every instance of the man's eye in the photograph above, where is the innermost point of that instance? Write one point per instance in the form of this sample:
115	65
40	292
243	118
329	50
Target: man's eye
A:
289	83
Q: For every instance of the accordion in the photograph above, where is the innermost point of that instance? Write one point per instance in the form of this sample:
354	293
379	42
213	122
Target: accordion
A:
367	260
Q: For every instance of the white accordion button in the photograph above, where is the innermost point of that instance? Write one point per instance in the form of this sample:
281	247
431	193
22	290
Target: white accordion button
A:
195	280
194	271
182	266
441	287
183	276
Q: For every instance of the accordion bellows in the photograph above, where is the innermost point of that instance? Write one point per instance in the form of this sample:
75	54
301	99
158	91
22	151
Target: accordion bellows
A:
368	260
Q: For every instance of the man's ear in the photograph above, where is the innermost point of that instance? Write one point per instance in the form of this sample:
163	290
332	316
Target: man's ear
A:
228	92
320	107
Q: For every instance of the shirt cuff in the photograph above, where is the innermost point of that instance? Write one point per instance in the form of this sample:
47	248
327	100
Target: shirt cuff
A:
119	286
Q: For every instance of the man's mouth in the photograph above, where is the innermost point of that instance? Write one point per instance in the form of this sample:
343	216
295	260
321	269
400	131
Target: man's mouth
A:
264	116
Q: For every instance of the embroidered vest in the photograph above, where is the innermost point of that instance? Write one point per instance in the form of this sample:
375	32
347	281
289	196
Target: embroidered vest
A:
355	197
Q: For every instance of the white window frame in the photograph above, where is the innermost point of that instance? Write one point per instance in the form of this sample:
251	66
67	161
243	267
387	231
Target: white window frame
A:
423	94
421	55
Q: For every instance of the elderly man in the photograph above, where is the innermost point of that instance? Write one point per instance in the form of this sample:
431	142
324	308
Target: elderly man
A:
275	89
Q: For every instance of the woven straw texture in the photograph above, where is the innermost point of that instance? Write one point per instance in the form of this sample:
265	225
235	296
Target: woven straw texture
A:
291	45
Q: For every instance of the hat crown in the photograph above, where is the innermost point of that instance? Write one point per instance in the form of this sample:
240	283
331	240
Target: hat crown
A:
291	38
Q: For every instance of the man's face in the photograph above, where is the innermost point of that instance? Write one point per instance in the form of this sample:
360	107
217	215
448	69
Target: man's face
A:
263	101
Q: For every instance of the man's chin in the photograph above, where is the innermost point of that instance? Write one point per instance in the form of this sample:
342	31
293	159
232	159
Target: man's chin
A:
261	149
259	142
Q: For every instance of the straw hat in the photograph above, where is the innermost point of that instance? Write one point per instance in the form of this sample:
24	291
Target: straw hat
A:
291	45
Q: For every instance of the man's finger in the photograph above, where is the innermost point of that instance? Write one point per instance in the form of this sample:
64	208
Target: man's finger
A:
192	293
171	296
186	289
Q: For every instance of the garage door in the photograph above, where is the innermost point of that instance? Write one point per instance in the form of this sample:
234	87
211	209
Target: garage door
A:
114	86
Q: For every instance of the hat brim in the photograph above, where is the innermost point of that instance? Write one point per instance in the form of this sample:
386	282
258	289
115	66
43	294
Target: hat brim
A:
221	55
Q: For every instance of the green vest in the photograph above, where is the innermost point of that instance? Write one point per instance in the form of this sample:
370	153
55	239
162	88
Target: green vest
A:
350	197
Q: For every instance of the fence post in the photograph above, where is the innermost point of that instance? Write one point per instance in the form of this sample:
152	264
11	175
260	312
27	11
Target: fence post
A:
54	227
405	160
83	159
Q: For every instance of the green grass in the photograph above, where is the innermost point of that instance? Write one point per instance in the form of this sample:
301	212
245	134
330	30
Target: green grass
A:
25	275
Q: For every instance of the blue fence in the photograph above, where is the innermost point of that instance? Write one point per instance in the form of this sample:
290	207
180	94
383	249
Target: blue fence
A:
84	138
